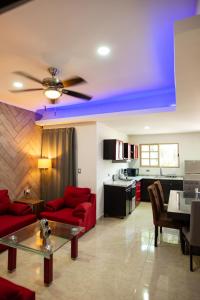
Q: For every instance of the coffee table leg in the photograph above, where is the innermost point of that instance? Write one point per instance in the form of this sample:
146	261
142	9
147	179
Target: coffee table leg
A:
74	247
48	270
12	258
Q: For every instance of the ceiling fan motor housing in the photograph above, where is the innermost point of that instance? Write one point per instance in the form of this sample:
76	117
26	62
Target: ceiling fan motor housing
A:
52	82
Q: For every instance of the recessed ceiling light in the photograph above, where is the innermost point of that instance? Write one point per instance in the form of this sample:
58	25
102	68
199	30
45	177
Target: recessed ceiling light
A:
17	84
103	50
146	127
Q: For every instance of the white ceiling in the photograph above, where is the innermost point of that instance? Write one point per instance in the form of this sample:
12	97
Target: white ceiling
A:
66	34
186	117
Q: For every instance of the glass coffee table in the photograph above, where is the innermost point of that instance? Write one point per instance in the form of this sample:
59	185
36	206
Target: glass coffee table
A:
28	239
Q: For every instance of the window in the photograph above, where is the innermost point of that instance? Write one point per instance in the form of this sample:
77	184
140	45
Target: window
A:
159	155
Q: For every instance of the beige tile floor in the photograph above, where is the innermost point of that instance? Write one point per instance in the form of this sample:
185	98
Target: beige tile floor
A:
117	261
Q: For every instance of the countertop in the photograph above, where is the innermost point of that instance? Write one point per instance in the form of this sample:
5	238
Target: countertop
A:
127	183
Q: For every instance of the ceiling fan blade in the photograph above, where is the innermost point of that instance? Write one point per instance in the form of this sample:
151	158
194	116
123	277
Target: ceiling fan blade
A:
26	75
76	94
26	90
73	81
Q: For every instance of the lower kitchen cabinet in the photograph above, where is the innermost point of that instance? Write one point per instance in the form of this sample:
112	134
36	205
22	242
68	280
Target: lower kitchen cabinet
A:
144	192
118	201
167	185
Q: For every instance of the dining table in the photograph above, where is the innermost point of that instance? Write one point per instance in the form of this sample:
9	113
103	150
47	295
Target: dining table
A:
179	205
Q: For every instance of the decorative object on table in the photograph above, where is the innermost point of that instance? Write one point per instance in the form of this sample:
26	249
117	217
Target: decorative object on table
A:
27	192
45	229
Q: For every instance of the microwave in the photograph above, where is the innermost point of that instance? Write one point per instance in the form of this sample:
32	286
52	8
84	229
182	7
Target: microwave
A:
131	172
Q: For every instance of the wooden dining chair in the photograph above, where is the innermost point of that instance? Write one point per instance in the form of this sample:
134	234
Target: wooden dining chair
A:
161	196
191	235
160	218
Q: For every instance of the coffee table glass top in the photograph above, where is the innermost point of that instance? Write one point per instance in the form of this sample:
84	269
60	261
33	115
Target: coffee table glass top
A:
28	238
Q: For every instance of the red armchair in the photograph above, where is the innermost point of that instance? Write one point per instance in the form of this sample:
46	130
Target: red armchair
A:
13	216
76	207
11	291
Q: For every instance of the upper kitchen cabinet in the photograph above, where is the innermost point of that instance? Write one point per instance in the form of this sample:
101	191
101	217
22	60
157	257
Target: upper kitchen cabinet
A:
127	151
134	151
113	149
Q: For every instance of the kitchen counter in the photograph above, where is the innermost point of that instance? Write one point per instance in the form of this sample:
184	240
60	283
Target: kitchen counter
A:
122	183
163	177
127	183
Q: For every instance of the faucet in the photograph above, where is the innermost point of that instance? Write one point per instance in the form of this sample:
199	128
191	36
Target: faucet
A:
161	174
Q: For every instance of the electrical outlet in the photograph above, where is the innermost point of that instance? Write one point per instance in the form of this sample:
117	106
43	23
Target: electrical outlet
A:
79	170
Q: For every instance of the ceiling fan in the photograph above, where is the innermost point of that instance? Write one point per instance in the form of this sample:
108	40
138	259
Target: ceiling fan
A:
53	87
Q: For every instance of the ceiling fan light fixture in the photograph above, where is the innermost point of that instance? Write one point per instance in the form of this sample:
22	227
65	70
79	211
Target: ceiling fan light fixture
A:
52	93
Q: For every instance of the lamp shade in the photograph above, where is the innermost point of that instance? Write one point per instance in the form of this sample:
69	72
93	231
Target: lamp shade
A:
44	163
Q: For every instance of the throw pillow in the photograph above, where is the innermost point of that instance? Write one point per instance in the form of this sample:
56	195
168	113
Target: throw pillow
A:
55	204
19	209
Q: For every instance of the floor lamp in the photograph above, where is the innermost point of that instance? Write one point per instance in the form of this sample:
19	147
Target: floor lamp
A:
43	165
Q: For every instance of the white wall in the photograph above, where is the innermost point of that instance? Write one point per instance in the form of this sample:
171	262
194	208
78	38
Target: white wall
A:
189	149
105	168
86	155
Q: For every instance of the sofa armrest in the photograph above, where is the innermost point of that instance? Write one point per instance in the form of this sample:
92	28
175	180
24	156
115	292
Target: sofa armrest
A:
82	209
93	199
55	204
19	209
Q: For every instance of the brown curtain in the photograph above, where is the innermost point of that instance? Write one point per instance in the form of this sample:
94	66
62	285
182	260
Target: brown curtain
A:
59	145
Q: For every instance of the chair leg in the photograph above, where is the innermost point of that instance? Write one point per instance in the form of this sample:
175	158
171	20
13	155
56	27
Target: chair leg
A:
160	229
182	240
156	236
191	263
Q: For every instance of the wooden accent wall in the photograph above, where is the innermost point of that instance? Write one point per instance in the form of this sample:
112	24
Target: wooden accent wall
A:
20	147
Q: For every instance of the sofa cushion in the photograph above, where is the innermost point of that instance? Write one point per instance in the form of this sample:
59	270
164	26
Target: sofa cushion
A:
10	223
19	209
4	201
73	201
64	215
55	204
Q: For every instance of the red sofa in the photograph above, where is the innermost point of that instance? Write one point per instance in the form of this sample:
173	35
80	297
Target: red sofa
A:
12	291
76	207
13	216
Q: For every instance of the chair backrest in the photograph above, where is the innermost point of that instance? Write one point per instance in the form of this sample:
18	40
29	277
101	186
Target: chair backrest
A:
195	223
160	194
155	203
